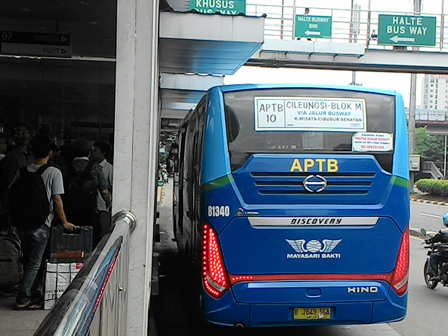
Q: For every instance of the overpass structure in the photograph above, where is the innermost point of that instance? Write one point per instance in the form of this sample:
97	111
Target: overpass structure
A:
87	68
356	43
436	122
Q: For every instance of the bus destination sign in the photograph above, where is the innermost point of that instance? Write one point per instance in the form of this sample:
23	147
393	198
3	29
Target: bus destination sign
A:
310	114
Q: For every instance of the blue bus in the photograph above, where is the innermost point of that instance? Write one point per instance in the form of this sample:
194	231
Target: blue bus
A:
291	205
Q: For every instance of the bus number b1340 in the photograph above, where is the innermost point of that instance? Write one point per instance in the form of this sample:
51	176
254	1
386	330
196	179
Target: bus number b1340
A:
218	211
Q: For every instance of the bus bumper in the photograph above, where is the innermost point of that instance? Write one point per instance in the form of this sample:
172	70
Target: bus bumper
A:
227	311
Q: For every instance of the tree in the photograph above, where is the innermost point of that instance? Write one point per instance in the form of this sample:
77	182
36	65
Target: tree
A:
430	147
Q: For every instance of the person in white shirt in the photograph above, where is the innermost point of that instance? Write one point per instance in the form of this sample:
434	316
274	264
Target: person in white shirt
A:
100	150
33	241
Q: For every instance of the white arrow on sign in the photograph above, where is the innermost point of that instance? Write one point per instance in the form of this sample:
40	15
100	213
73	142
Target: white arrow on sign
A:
312	32
402	39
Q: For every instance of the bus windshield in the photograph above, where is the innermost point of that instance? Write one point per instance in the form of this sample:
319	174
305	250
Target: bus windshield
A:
306	120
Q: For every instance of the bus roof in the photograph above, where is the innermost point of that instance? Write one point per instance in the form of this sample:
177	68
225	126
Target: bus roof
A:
241	87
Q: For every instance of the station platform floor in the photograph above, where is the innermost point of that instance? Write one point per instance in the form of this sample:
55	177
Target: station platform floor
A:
18	323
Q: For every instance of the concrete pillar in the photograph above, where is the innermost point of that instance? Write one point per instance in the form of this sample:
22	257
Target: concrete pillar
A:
412	105
411	124
136	145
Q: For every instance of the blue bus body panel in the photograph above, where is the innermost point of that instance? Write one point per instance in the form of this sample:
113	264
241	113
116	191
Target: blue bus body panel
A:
401	142
268	250
215	163
308	236
277	192
269	179
304	292
251	249
392	310
227	312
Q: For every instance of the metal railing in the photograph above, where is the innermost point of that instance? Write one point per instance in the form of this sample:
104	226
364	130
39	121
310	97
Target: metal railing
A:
431	168
433	116
95	303
355	25
430	116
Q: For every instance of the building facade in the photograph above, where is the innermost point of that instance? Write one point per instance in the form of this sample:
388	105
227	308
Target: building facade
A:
435	92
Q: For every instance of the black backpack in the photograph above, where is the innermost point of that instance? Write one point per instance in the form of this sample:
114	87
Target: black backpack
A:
11	268
80	192
28	203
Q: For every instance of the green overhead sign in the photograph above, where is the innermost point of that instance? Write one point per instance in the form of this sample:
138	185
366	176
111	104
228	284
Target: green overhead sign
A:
407	30
313	26
229	7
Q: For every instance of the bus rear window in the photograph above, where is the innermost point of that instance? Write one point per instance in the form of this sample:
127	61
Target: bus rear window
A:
306	120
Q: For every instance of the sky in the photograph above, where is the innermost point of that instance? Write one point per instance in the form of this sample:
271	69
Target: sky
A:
394	81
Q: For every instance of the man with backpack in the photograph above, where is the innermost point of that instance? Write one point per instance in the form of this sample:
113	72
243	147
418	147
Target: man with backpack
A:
33	198
83	182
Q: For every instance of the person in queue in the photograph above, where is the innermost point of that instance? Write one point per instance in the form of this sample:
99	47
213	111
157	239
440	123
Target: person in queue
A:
98	154
89	178
34	241
17	158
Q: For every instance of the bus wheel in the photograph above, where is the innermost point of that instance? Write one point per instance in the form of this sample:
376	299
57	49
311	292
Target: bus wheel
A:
429	283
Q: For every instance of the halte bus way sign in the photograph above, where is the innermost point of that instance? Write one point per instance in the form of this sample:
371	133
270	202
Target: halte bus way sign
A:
407	30
35	44
312	26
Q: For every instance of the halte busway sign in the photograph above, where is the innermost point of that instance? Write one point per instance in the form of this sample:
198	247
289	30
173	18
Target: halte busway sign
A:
407	30
313	26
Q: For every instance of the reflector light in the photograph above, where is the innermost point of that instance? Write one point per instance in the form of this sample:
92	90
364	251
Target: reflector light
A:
310	277
214	277
242	278
400	277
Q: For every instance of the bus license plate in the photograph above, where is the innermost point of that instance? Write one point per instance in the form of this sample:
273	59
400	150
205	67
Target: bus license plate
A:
312	313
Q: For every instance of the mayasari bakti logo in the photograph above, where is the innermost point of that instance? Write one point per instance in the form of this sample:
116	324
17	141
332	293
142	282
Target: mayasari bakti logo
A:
313	249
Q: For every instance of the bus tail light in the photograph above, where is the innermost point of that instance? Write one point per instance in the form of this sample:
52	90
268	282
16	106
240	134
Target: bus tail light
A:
400	275
213	271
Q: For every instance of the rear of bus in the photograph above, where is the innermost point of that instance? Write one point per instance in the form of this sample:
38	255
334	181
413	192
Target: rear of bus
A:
306	206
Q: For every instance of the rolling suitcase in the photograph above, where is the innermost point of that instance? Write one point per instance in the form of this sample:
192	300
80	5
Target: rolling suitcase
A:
68	247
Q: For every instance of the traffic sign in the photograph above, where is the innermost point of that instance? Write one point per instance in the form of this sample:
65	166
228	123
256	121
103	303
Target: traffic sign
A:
313	26
407	30
35	44
229	7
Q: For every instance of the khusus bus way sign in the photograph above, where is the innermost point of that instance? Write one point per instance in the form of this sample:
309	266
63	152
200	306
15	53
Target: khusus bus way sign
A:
407	30
229	7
